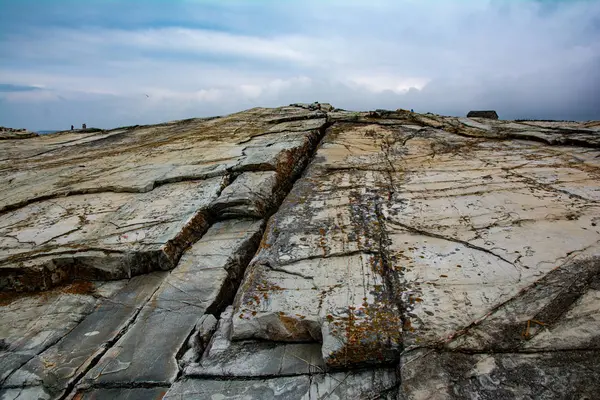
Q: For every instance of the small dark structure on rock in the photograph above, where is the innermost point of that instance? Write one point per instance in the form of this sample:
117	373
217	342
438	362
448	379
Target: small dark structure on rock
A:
490	114
83	126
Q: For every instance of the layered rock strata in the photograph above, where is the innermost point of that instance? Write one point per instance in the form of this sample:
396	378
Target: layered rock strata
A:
302	252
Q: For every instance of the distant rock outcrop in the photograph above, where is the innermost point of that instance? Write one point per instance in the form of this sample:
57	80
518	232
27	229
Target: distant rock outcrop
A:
490	114
12	133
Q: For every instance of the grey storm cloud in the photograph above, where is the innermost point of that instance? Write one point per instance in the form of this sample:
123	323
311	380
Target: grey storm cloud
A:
526	59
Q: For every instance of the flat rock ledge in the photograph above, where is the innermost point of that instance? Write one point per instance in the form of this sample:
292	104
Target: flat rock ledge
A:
302	252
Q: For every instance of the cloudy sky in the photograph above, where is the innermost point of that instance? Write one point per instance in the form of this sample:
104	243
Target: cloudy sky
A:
122	62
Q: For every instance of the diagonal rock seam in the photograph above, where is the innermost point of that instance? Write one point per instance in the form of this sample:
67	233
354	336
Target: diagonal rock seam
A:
223	300
392	279
71	385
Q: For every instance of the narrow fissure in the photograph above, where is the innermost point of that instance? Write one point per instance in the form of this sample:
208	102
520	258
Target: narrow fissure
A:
108	345
228	290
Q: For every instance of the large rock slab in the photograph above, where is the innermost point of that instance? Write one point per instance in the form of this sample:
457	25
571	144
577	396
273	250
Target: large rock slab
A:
427	374
102	236
457	257
415	227
36	393
252	194
470	235
156	393
136	159
111	205
322	273
559	312
344	385
33	323
222	357
206	276
63	363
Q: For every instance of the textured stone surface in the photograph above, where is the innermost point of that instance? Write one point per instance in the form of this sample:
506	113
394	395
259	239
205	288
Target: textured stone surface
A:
222	357
122	214
252	194
12	133
147	351
554	375
36	393
303	252
139	158
102	236
348	385
123	393
65	362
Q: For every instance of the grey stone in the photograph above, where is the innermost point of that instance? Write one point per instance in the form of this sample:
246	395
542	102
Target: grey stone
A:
427	374
338	386
355	385
558	312
32	323
201	282
117	199
102	236
12	133
463	251
252	194
199	339
285	388
474	124
133	158
28	393
155	393
254	359
67	360
222	357
11	361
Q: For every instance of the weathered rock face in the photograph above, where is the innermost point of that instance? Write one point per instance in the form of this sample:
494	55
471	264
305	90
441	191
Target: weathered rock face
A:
129	201
302	252
12	133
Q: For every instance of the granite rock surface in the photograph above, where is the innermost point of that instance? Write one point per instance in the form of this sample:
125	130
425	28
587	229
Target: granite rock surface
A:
302	252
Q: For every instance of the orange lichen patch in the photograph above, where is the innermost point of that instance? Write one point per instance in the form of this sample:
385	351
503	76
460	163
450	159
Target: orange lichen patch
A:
526	334
161	395
7	298
264	242
191	232
377	265
291	324
79	287
323	241
257	289
372	335
327	291
286	161
413	299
